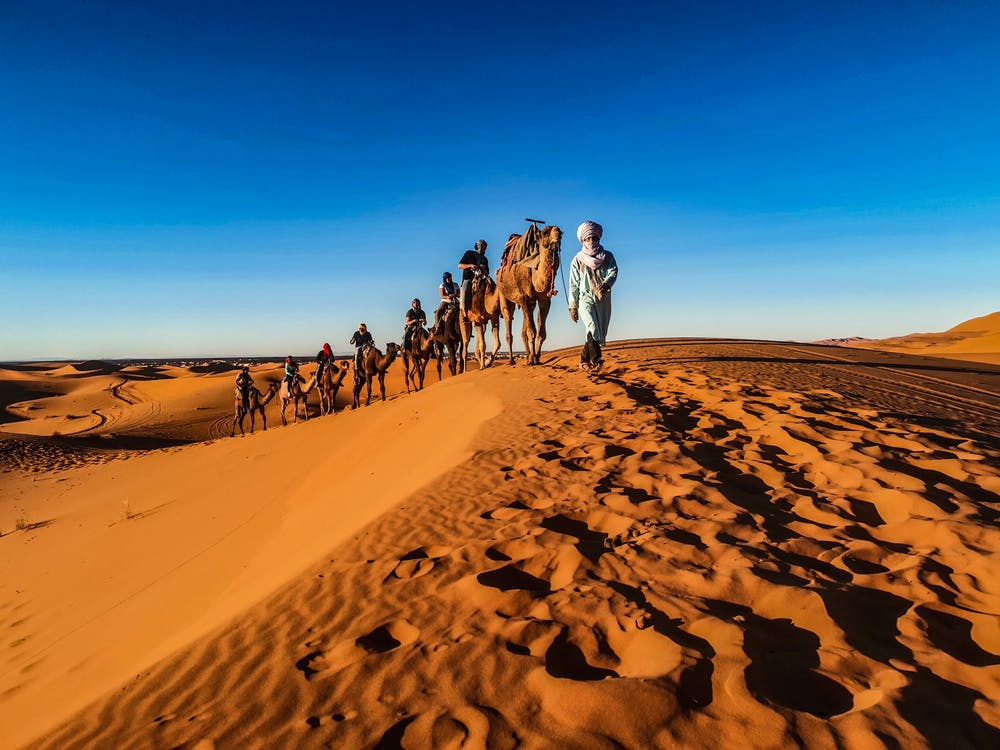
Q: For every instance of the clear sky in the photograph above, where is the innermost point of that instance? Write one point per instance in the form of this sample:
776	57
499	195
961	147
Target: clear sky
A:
256	178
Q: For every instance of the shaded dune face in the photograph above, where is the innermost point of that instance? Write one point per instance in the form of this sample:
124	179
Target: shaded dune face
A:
707	541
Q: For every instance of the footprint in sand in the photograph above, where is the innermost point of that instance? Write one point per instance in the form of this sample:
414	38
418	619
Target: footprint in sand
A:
382	639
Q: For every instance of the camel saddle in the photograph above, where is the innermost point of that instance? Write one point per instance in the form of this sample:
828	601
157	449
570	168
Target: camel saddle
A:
521	249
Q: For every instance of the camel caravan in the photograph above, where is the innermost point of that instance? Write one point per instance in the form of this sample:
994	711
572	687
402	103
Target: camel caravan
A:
525	280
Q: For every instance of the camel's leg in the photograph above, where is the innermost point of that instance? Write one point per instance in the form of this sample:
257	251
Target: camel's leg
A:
236	417
543	315
381	383
465	335
507	309
528	332
421	370
263	419
438	356
495	326
406	370
481	345
284	405
368	395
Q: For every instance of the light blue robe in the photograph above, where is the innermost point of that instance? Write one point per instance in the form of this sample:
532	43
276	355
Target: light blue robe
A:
583	283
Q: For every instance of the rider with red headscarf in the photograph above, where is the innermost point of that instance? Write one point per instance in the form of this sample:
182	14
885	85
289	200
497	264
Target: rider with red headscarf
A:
323	360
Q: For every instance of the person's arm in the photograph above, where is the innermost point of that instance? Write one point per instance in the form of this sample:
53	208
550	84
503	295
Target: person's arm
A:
610	272
574	290
468	262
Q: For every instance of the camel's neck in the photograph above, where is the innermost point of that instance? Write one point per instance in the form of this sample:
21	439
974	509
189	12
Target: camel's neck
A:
543	277
268	396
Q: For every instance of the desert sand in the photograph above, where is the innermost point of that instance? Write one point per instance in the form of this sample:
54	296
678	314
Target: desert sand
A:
975	340
709	544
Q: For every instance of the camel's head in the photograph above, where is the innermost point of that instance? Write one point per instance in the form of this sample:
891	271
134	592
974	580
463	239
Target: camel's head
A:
392	348
479	281
552	241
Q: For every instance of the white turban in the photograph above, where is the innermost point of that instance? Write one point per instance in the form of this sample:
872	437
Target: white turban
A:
589	229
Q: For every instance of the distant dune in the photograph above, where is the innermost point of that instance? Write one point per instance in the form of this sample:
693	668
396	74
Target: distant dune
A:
709	544
975	340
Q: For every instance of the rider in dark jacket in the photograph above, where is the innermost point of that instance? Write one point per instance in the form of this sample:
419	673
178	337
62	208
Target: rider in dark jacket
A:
361	338
243	384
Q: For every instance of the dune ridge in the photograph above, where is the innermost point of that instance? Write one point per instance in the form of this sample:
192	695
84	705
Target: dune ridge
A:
715	539
976	340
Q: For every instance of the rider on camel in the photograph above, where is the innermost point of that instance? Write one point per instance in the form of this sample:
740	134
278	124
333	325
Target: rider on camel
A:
323	360
291	371
474	261
243	384
415	318
362	338
449	294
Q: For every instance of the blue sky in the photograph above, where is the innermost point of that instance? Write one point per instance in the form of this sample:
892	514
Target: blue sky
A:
178	179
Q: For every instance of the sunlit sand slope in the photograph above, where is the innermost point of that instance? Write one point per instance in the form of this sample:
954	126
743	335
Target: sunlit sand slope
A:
785	544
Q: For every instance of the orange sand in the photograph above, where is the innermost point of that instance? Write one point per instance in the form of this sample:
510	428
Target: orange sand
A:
785	544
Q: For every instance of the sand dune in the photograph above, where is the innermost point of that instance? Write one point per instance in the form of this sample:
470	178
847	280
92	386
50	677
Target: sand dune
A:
976	340
789	544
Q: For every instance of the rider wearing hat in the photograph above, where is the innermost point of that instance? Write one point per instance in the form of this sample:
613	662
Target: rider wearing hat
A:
361	338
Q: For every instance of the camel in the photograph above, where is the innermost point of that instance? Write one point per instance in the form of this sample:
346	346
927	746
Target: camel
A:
415	358
373	363
447	335
297	392
528	281
329	384
484	307
257	401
